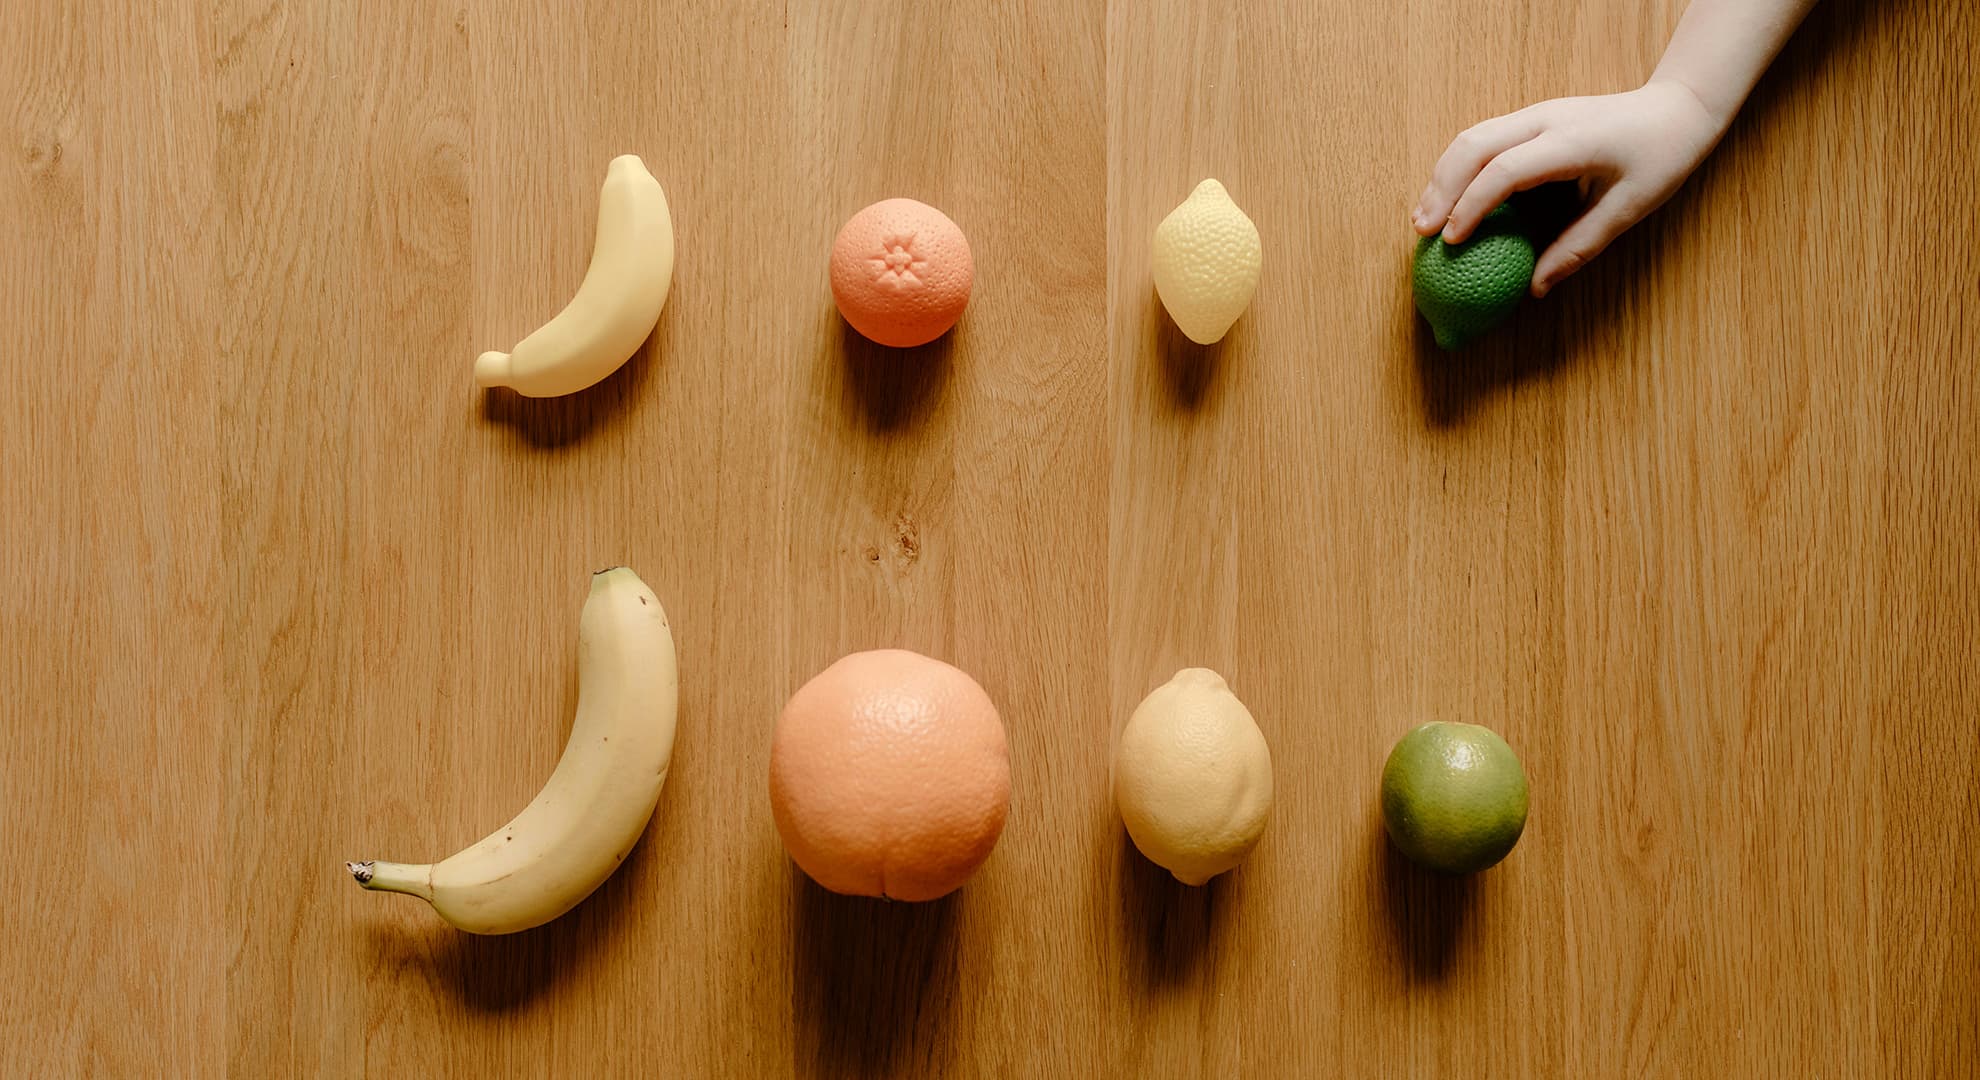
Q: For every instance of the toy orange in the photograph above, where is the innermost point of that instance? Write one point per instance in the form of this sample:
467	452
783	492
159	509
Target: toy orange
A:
890	776
901	272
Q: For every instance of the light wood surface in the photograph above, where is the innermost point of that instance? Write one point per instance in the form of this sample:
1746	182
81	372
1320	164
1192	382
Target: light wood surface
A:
1700	535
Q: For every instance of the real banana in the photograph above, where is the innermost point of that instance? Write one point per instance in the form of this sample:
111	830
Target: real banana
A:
586	819
616	307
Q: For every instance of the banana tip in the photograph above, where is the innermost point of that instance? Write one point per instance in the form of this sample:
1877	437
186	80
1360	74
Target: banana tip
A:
361	871
491	369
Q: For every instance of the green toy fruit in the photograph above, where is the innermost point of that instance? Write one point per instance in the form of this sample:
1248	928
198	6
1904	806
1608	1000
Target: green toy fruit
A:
1466	289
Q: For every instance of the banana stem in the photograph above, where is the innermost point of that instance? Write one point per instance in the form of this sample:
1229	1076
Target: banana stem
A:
491	369
413	879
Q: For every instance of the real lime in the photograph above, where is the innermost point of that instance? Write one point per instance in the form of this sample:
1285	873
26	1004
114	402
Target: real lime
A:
1454	797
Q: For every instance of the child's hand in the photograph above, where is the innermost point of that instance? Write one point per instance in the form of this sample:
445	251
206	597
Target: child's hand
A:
1630	151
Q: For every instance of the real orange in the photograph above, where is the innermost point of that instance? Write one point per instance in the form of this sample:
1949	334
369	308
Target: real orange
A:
901	272
890	776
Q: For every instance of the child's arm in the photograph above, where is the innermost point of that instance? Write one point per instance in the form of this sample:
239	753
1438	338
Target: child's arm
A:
1629	150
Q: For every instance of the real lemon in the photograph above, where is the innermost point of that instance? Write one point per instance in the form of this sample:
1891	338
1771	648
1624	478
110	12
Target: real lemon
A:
1206	263
1454	797
1466	289
1193	777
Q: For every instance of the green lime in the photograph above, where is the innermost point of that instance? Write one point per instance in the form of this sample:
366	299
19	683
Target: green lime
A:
1454	797
1465	289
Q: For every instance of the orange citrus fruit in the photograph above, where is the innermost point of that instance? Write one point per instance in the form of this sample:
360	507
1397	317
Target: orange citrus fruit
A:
901	272
890	776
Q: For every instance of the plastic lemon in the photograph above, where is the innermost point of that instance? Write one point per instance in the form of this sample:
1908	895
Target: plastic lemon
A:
1193	777
1207	260
1454	797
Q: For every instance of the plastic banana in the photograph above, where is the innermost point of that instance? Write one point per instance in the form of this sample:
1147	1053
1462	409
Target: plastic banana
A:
617	305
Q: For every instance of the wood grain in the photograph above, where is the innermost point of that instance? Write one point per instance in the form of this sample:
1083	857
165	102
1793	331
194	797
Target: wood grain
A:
279	587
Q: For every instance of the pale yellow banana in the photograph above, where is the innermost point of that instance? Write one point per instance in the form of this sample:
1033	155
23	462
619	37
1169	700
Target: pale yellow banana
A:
616	307
597	802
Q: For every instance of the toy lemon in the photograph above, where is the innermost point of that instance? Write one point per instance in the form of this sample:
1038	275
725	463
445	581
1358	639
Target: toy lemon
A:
1207	259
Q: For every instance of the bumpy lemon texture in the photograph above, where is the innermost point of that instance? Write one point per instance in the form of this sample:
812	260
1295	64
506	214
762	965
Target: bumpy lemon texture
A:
1207	259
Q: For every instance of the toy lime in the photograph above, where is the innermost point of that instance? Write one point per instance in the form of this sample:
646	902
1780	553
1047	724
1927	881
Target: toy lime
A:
1466	289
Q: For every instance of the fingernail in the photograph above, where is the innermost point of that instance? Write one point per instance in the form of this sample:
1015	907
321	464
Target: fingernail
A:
1416	216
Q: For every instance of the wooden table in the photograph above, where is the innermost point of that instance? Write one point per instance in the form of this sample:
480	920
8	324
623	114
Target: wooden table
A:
1700	535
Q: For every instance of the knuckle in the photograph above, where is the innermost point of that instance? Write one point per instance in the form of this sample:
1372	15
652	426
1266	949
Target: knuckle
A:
1631	205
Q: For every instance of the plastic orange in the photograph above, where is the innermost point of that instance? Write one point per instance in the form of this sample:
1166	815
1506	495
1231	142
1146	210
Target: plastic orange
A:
901	272
890	776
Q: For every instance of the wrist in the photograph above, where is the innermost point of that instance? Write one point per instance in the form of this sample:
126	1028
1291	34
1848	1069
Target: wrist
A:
1718	115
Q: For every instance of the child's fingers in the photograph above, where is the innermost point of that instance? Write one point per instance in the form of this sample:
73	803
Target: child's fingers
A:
1467	154
1582	241
1528	165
